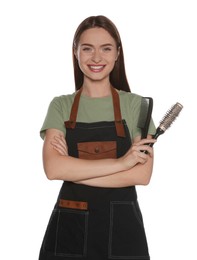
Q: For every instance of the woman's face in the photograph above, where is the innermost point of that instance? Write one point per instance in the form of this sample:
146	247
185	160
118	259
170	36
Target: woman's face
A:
96	53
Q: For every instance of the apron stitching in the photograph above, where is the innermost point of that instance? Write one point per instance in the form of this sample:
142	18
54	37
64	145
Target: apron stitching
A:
110	230
56	233
110	255
85	234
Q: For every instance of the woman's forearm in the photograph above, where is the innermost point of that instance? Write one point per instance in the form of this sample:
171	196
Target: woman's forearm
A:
58	165
64	167
68	168
74	169
138	175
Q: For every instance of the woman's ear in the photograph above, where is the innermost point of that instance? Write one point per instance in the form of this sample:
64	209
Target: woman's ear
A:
75	53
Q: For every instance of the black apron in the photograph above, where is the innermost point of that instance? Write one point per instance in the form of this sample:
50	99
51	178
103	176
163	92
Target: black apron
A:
96	223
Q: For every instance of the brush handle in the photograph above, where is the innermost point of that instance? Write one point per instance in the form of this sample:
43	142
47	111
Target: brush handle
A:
159	132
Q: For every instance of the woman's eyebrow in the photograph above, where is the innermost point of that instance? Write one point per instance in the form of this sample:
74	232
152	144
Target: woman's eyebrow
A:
91	45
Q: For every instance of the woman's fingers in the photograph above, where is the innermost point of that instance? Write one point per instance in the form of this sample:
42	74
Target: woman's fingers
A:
142	157
58	149
143	146
138	153
145	141
59	144
146	149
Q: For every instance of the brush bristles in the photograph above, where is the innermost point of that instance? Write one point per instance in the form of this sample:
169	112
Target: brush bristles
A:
170	116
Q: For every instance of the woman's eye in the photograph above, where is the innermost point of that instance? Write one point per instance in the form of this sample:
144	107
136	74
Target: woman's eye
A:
106	49
87	49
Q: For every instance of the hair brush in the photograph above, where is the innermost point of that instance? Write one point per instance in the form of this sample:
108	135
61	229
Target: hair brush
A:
167	120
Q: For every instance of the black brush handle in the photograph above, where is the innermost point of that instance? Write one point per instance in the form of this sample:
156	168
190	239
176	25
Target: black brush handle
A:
159	132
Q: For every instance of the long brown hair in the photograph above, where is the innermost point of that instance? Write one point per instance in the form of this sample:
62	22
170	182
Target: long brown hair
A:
118	77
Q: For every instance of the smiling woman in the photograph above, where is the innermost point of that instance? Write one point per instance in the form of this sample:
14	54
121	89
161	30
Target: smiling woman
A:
92	143
96	56
106	28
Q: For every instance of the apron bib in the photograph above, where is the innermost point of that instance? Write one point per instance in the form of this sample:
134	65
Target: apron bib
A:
96	223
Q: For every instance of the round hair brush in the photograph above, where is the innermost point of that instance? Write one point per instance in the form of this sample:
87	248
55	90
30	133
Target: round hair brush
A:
167	120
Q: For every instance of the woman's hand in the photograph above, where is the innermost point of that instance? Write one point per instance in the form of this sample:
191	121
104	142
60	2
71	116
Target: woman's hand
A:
136	154
59	144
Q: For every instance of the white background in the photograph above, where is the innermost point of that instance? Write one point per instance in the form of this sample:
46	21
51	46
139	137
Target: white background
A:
159	39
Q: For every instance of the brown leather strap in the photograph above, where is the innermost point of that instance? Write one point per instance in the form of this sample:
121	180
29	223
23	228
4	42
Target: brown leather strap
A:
73	114
117	112
71	204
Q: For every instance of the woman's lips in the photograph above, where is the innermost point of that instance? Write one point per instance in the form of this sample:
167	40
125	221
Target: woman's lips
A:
96	68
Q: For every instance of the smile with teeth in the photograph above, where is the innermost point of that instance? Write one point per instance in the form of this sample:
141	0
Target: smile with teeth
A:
96	68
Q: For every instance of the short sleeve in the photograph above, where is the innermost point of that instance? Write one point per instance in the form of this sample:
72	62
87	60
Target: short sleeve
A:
54	117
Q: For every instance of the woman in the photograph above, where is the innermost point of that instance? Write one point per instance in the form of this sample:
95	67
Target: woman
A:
92	143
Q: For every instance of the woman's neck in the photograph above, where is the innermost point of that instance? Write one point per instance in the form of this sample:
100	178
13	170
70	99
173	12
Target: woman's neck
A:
96	89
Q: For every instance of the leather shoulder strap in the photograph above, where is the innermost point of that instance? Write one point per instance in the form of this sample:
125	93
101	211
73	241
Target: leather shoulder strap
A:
117	112
73	114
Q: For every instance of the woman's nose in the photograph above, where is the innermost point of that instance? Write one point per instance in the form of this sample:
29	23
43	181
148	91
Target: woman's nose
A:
96	56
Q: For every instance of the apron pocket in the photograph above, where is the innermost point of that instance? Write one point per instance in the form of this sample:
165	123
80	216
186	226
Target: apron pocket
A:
127	239
97	150
66	233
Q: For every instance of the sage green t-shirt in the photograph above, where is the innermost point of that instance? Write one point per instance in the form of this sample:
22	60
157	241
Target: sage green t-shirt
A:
94	110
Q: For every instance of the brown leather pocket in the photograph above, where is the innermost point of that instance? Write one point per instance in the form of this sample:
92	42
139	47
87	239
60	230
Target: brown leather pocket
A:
72	204
97	150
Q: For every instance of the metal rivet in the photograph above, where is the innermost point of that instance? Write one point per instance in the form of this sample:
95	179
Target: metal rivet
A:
96	150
